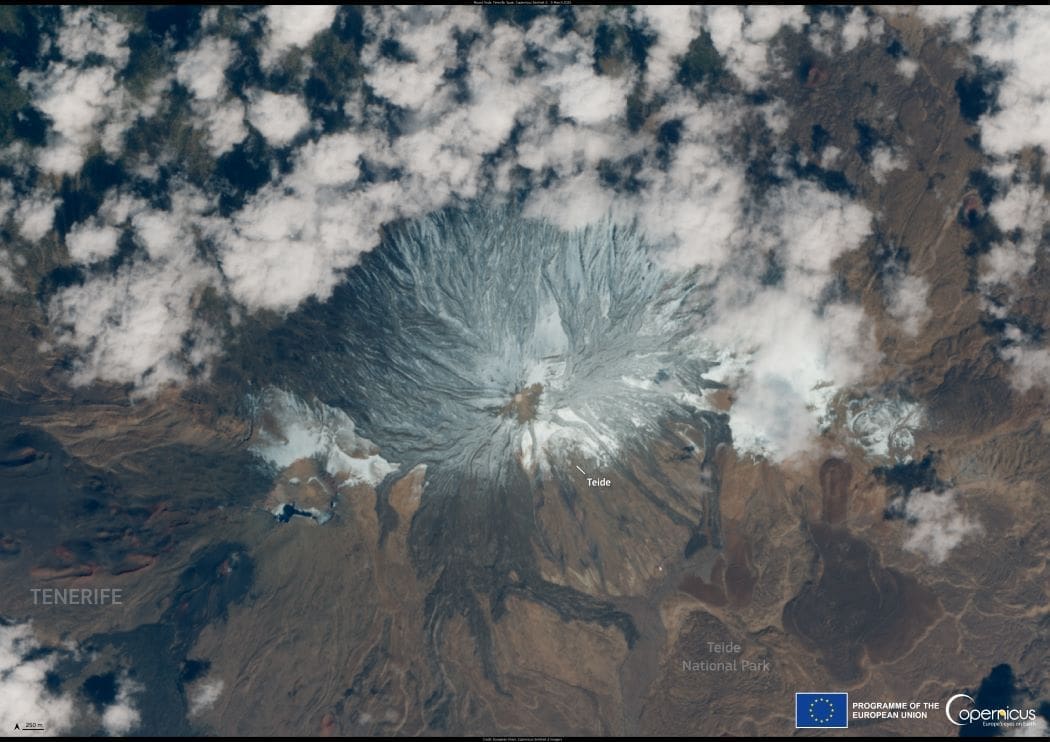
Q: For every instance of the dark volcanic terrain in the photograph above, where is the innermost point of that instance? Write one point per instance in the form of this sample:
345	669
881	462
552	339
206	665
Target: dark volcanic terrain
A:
567	609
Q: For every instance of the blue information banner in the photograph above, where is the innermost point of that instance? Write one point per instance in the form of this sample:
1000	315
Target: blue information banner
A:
821	710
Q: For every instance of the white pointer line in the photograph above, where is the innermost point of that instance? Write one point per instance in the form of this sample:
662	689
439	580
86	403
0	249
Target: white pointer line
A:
582	471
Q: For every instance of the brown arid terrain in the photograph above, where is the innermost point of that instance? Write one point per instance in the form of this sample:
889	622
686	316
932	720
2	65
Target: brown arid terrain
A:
694	595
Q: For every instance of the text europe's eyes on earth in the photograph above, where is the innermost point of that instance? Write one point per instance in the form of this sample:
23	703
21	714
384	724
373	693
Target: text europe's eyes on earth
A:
517	370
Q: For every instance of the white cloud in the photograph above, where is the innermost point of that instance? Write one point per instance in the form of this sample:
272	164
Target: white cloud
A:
294	25
93	31
129	327
957	18
226	127
132	326
277	117
1024	206
35	216
813	227
823	35
1004	263
7	200
694	207
829	156
697	206
282	248
165	234
427	34
444	155
203	71
83	105
860	27
203	695
8	282
96	238
294	238
86	105
81	93
1031	366
24	696
1039	728
330	161
906	302
527	104
907	68
675	27
790	356
936	524
884	160
742	35
1014	40
121	716
791	362
833	34
118	207
586	97
1025	209
88	244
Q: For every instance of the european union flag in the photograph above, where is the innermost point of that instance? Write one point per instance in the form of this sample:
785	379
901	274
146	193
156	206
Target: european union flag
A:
821	710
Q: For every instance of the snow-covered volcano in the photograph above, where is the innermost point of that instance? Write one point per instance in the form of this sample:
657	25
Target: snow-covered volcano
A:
480	342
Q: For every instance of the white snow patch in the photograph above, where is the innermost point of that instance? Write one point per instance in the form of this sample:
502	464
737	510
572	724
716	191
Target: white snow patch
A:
318	431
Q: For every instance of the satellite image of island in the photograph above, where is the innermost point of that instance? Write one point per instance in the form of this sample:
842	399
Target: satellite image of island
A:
520	370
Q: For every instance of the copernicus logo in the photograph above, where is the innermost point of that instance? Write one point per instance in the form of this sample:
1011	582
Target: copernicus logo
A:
821	710
960	711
